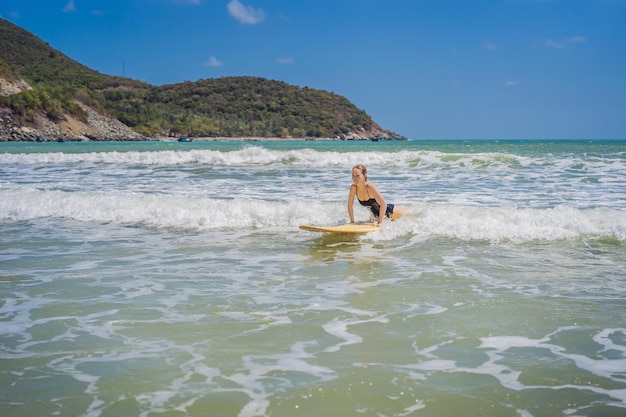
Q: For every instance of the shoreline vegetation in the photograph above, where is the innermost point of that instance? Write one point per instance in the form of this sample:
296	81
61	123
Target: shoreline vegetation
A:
47	96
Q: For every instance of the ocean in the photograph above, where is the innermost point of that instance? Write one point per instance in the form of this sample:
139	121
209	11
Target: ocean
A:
171	279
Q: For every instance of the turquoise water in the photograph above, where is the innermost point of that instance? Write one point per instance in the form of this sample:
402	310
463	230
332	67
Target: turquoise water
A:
167	279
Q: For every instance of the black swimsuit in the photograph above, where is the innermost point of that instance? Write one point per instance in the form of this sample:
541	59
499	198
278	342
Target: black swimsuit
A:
374	206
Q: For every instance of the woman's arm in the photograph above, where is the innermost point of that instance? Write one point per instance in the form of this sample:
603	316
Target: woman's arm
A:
351	202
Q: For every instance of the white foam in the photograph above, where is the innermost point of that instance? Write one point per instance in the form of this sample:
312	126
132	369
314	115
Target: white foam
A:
339	329
258	155
604	338
258	368
494	224
154	210
519	225
611	369
430	165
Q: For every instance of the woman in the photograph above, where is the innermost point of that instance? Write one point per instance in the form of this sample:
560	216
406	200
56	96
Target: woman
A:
369	196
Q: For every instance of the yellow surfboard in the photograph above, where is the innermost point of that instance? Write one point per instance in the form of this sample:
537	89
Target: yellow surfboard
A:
348	228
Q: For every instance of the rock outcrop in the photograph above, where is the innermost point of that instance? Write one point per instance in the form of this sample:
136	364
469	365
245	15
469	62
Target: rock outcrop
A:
99	127
8	87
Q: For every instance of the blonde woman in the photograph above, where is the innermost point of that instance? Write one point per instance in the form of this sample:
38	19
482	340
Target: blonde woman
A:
369	196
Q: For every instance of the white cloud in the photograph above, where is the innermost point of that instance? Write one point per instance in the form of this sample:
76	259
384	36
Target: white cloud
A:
287	60
512	83
563	43
490	46
245	14
213	62
69	7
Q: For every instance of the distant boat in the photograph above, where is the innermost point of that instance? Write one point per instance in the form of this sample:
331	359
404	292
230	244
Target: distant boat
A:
61	140
184	139
40	139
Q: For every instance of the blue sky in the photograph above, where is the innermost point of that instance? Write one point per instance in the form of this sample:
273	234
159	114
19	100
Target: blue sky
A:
427	69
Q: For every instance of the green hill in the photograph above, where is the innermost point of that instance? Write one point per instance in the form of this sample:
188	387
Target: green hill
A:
63	89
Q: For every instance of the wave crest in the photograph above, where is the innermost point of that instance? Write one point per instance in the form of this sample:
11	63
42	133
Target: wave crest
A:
495	224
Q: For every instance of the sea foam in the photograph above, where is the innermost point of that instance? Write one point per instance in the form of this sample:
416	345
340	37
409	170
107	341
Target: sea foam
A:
202	214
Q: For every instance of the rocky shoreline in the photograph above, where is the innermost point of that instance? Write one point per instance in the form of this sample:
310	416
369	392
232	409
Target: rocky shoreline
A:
97	128
103	128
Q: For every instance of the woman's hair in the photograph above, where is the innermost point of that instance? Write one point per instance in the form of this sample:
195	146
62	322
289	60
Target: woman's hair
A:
361	168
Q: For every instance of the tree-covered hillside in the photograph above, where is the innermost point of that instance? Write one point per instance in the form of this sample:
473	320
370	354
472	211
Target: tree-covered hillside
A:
225	107
237	106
